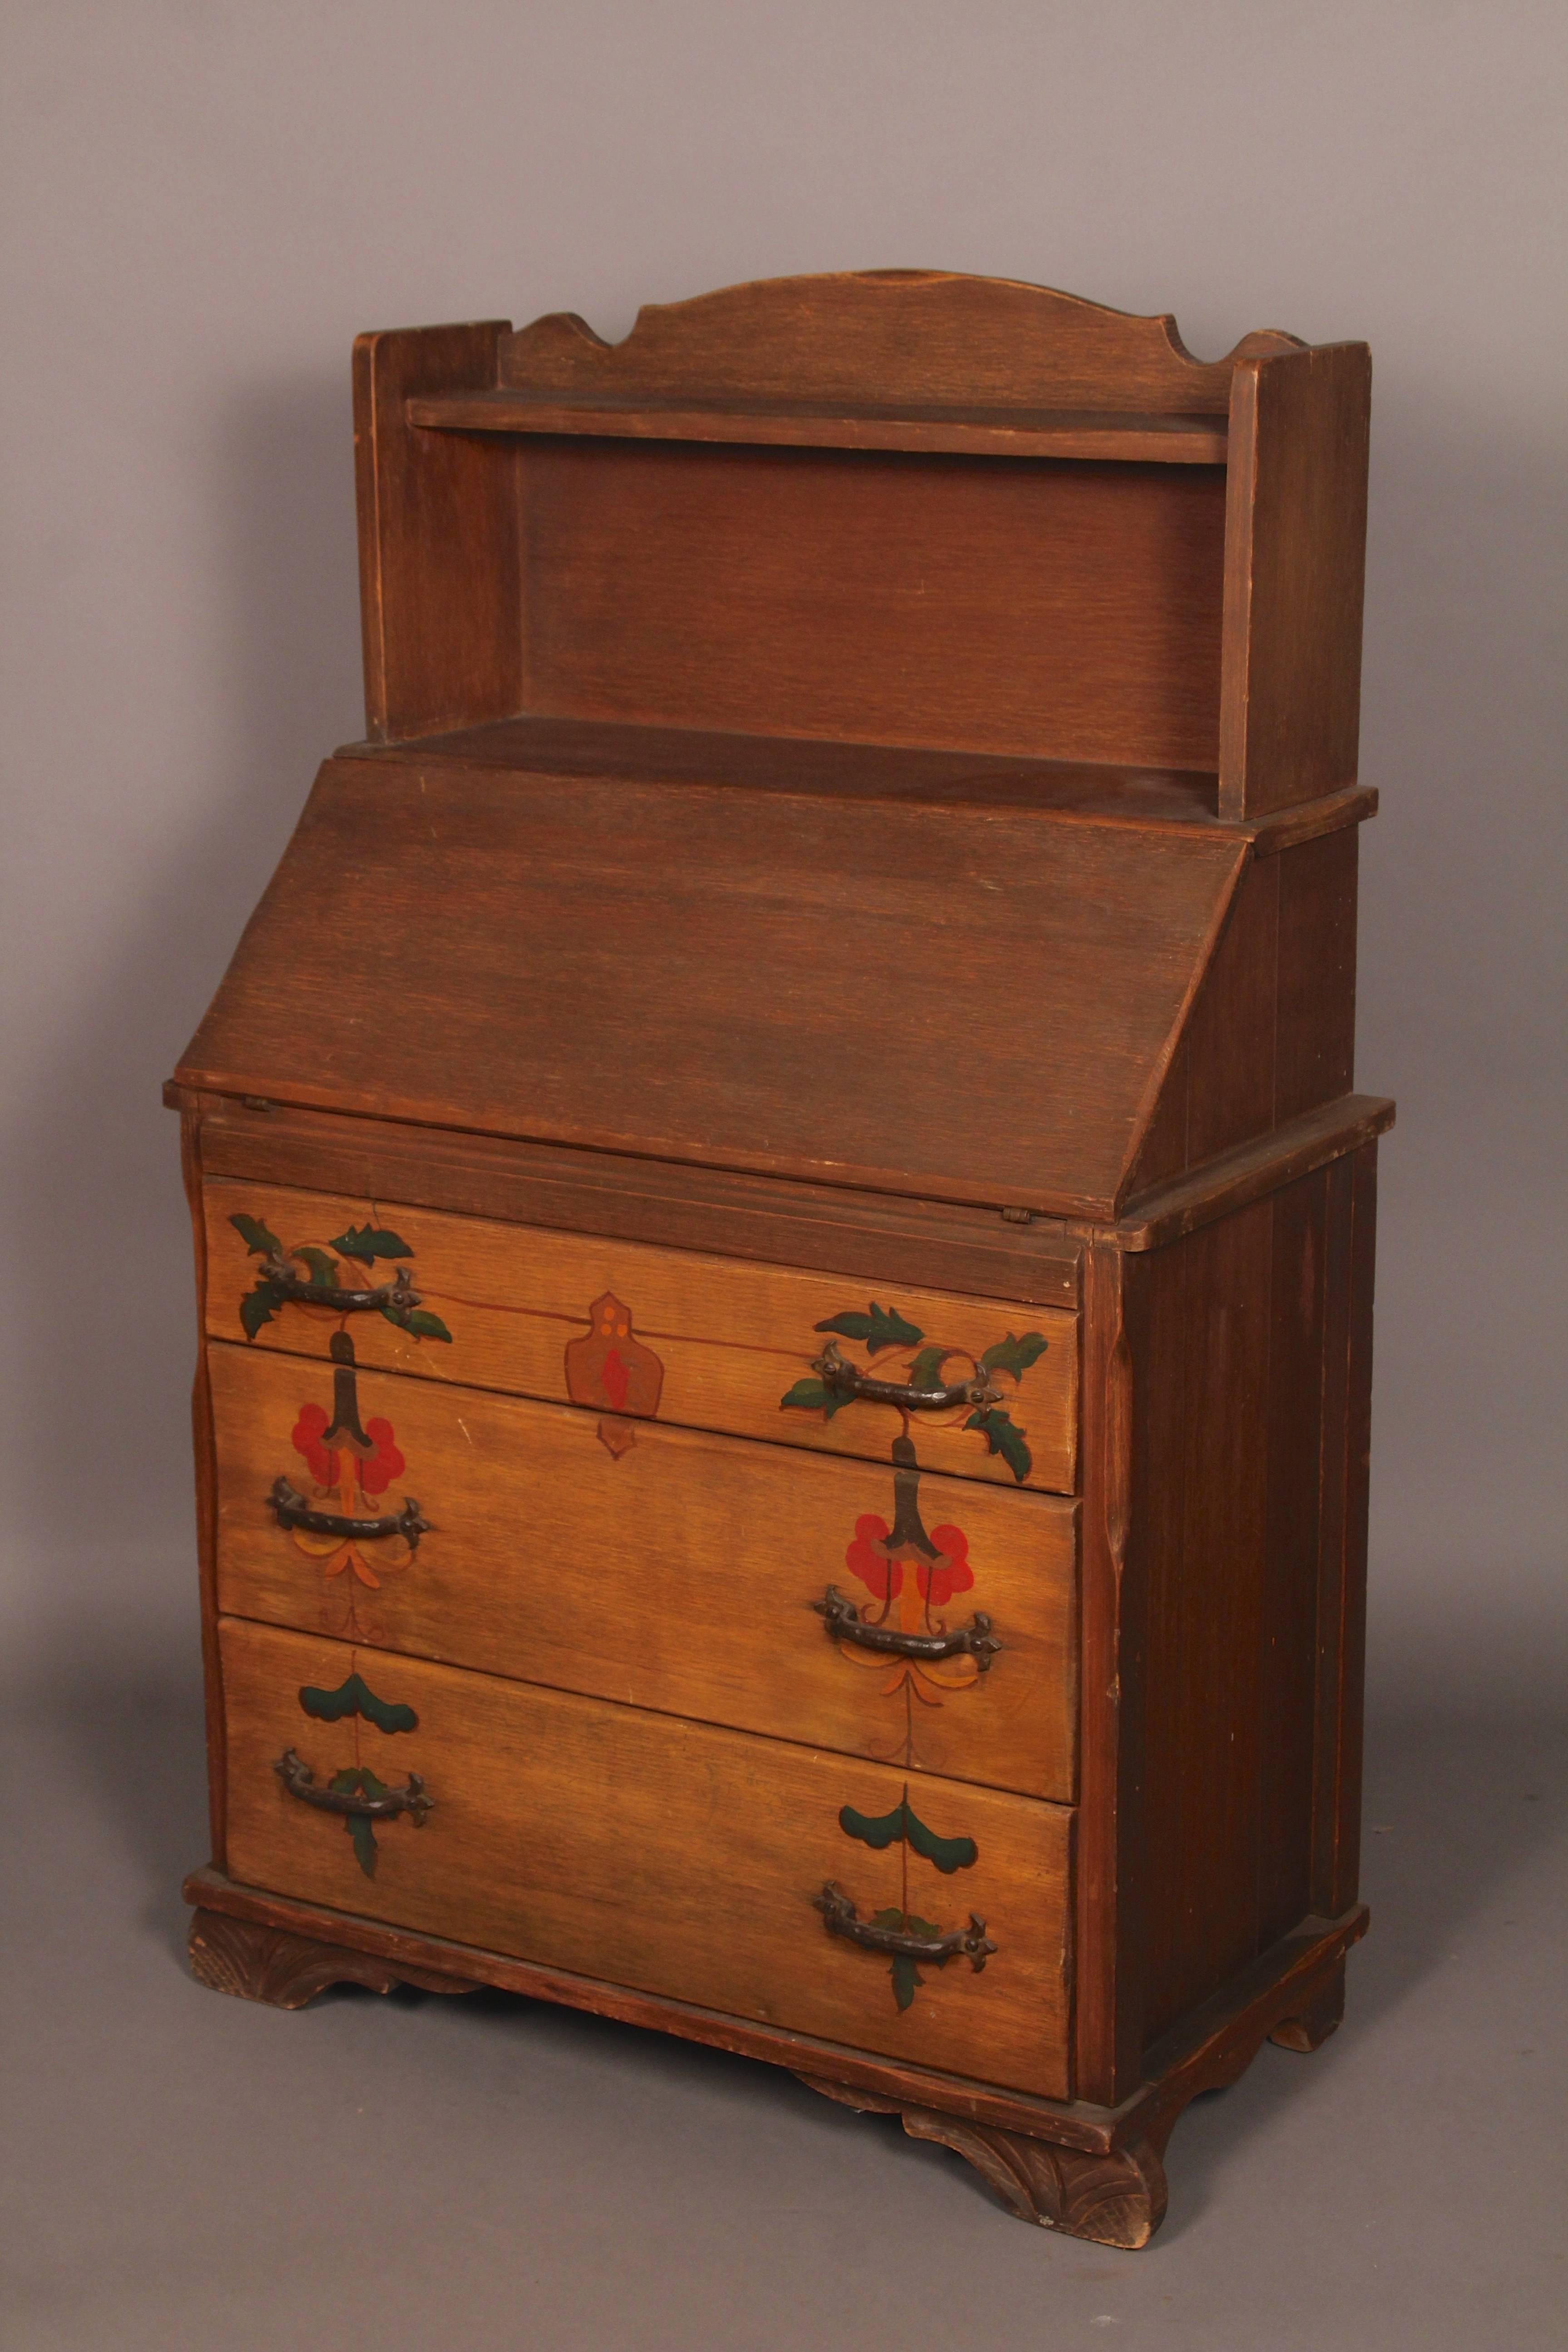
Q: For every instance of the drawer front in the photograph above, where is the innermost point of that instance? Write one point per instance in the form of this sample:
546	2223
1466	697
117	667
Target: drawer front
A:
654	1852
681	1575
634	1332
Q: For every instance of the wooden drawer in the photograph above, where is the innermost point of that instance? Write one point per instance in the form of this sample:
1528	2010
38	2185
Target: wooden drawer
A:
632	1331
679	1575
654	1853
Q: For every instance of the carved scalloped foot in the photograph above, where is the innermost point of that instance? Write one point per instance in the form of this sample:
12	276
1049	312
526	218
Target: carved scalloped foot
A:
1316	2018
269	1964
1116	2200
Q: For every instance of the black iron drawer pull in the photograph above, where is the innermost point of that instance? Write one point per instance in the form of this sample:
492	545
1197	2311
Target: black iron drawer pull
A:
294	1511
972	1943
301	1782
845	1624
845	1378
398	1293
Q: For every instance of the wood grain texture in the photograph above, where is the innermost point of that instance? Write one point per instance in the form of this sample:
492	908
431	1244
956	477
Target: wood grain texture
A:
677	1577
1249	1518
1269	1036
822	1227
811	997
1204	1436
1063	611
1295	557
882	336
437	535
1230	1032
1124	438
660	1855
1315	1015
732	1338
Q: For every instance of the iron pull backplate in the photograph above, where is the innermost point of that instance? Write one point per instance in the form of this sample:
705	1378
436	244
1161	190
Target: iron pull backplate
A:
845	1378
294	1511
845	1624
301	1782
972	1943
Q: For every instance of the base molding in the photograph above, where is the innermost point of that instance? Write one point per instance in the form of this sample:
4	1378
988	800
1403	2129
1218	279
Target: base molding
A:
1091	2172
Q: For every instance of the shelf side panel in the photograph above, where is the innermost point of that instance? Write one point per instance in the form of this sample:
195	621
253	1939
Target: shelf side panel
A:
1295	557
437	535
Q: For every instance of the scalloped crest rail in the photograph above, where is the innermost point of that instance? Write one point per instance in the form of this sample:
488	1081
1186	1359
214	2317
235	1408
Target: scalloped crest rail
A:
887	336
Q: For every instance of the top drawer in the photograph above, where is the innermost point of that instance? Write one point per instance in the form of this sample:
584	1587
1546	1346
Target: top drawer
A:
632	1331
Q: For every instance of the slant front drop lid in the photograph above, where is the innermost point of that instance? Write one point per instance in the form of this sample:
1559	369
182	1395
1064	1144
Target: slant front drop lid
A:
784	1229
787	983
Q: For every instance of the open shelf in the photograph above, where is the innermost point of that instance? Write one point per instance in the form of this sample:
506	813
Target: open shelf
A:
594	749
1171	440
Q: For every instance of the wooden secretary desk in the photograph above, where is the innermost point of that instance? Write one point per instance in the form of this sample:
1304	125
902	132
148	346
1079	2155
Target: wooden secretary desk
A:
784	1235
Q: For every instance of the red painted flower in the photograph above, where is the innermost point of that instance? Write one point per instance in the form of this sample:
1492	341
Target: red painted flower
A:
378	1470
309	1431
950	1572
870	1566
373	1472
937	1579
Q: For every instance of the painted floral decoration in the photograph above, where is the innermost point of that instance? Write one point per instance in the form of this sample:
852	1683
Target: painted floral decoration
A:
936	1581
375	1471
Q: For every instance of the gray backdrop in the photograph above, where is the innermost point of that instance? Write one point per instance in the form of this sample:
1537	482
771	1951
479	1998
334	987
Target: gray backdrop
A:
205	200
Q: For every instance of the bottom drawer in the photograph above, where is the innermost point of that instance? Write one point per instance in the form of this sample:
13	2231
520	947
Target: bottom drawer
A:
654	1852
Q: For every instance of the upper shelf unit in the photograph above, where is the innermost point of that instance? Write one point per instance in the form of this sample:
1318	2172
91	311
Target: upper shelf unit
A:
896	508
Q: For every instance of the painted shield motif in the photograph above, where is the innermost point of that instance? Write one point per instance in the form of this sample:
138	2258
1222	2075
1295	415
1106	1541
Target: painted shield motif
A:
607	1366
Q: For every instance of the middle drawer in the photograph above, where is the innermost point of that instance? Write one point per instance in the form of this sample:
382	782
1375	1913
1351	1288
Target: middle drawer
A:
690	1575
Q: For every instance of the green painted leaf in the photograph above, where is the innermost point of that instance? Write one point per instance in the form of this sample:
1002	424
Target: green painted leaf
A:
356	1698
893	1918
816	1396
948	1853
358	1779
906	1976
884	1830
259	1307
1002	1437
925	1372
255	1236
425	1326
1015	1356
324	1270
884	1326
367	1242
